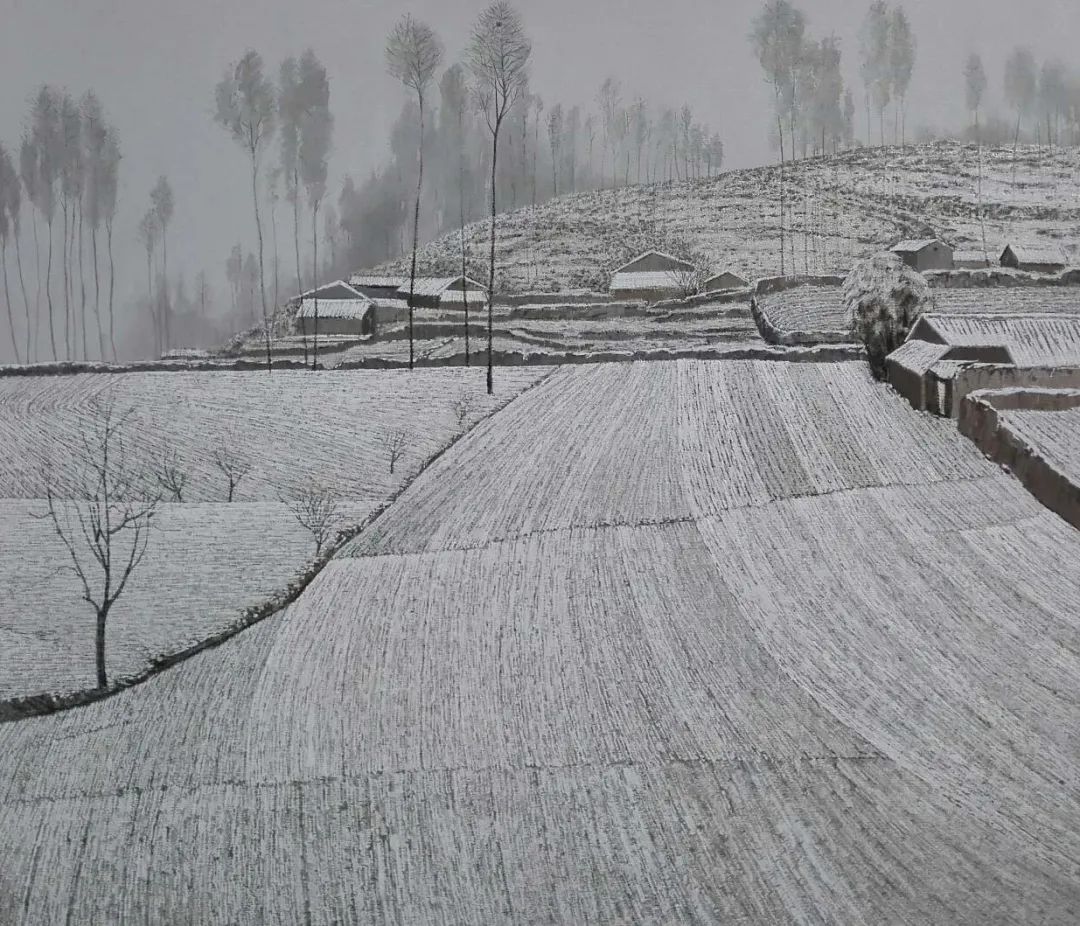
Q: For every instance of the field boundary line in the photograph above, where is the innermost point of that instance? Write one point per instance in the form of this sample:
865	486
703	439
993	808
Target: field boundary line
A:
23	707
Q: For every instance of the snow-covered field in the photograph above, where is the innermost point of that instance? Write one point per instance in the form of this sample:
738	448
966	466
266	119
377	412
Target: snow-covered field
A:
840	209
1008	299
207	560
657	642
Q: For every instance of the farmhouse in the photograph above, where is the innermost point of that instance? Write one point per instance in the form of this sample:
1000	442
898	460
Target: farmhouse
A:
442	292
942	349
651	277
925	254
724	281
341	310
970	260
377	287
1034	259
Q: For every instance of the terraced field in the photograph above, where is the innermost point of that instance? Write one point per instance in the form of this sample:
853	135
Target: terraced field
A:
815	310
207	560
1008	299
634	650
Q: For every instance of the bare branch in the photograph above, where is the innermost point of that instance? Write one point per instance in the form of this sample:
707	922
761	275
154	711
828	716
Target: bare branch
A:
316	510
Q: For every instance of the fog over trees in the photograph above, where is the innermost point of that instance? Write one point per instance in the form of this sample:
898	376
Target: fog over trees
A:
67	296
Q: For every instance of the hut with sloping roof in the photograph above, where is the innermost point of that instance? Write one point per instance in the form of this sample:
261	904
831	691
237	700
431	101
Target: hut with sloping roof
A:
652	277
340	309
376	286
721	282
1034	258
925	254
1027	340
443	292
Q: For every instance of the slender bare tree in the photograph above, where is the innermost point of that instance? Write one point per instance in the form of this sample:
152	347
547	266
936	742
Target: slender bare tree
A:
46	138
975	89
161	196
413	54
555	137
110	181
148	236
9	209
316	129
316	509
498	58
246	108
290	113
232	462
394	444
103	518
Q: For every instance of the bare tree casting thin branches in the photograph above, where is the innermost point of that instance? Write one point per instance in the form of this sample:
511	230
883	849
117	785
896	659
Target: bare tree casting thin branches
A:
232	462
498	58
316	509
394	443
105	527
413	54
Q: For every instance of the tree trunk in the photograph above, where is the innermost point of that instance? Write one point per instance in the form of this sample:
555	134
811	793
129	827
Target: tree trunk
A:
48	294
262	269
67	292
296	244
82	285
7	300
22	286
491	264
315	286
37	291
277	258
112	289
97	293
416	230
150	295
166	330
461	209
780	129
99	649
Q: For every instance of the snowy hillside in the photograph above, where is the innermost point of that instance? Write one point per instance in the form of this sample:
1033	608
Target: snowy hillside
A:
838	209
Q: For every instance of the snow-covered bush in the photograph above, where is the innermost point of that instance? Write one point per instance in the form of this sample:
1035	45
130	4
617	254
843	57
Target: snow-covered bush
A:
884	298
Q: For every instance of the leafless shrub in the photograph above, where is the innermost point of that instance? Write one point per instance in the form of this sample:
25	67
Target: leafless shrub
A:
106	526
394	444
232	462
315	507
171	477
462	409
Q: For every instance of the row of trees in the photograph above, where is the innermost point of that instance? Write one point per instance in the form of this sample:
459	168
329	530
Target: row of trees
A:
66	181
548	150
252	108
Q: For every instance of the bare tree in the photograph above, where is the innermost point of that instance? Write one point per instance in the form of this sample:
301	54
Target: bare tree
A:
162	198
46	138
106	525
246	108
290	114
1021	85
413	54
777	37
498	58
110	181
555	137
394	444
975	88
456	102
9	207
316	510
876	62
316	127
170	474
901	64
462	409
148	232
232	462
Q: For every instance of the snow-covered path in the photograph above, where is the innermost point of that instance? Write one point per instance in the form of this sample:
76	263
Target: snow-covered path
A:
701	642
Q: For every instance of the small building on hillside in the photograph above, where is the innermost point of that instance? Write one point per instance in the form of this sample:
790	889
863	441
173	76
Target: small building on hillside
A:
442	292
925	254
724	281
341	310
970	260
1034	258
943	349
652	277
375	286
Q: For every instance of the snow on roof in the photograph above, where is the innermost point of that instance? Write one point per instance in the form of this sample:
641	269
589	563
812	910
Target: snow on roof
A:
351	293
336	308
918	356
914	245
436	286
675	262
646	279
1036	254
970	257
725	274
377	282
1031	339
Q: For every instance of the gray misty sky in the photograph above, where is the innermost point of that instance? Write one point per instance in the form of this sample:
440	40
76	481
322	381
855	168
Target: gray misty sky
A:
154	64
